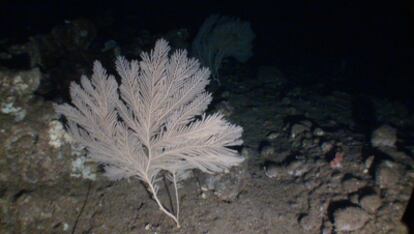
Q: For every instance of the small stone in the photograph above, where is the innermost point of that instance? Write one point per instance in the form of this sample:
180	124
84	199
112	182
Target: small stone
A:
272	171
371	203
387	175
298	129
306	143
272	135
226	193
350	219
318	132
353	198
384	136
327	230
228	186
297	168
368	164
352	184
65	227
310	222
326	147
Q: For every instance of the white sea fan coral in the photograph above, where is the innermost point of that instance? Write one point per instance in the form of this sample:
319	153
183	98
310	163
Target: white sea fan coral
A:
154	121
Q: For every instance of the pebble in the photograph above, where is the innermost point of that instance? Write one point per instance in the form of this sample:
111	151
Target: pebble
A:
350	219
384	136
387	175
371	203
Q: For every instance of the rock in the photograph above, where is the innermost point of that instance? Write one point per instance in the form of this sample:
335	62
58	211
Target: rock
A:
384	136
326	147
337	161
350	219
16	89
387	175
272	135
350	185
368	163
307	142
370	203
226	186
273	170
33	150
310	222
318	132
46	210
297	168
300	128
354	198
399	156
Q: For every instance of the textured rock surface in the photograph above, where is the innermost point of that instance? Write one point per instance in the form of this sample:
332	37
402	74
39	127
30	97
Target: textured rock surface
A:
350	219
384	136
371	203
16	90
228	186
387	175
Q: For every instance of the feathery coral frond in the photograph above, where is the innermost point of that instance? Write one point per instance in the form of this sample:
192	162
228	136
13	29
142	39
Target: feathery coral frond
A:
148	124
